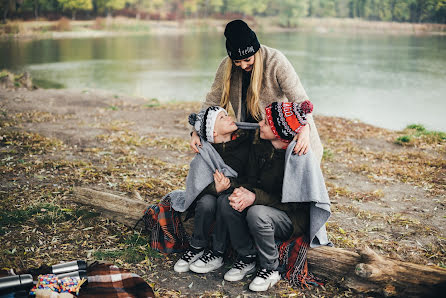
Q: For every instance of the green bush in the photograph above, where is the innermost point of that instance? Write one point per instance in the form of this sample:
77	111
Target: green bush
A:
403	140
63	24
417	127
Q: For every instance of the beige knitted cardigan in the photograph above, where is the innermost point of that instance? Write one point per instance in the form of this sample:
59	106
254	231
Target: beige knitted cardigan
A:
280	83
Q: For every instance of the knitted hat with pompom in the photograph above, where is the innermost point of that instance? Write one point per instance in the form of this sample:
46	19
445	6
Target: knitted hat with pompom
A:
204	122
286	119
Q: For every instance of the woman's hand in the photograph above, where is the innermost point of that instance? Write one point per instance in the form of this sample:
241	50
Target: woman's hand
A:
303	141
222	182
241	198
195	141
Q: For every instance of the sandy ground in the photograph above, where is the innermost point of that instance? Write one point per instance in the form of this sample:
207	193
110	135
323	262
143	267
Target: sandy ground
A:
388	196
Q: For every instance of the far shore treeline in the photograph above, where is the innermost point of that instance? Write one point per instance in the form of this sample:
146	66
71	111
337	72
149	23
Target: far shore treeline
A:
288	11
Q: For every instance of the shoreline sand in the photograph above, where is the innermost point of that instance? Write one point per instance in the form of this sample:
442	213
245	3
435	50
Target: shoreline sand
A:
125	26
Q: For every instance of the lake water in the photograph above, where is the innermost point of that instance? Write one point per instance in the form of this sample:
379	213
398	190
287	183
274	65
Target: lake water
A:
388	81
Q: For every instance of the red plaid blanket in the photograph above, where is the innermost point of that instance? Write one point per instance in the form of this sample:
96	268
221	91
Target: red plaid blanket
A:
106	280
166	228
293	262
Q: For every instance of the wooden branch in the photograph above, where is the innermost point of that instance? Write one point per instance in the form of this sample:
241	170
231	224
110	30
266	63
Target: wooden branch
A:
122	209
363	271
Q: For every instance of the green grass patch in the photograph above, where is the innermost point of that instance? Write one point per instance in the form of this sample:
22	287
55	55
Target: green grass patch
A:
417	127
113	108
417	134
43	214
403	140
153	102
134	249
47	84
328	154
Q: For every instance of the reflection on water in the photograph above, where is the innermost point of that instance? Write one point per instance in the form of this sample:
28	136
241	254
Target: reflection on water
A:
389	81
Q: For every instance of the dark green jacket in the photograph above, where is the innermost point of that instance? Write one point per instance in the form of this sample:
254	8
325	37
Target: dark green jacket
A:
264	177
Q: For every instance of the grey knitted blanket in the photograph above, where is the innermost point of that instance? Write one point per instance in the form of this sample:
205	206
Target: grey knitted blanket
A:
202	168
303	182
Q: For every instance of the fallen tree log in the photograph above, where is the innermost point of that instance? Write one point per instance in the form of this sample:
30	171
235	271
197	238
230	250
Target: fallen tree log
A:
122	209
363	271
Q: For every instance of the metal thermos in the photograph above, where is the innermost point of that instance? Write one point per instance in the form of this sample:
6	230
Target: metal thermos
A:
68	267
80	274
15	283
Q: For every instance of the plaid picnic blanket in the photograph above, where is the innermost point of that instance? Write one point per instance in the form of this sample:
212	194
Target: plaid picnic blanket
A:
293	262
107	280
164	223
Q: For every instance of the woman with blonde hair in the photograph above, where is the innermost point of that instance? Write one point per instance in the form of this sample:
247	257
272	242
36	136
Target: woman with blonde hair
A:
253	76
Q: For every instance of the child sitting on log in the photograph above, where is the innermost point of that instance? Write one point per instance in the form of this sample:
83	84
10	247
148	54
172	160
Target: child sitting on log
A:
224	151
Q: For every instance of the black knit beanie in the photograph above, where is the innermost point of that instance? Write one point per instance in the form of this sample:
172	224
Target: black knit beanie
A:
241	41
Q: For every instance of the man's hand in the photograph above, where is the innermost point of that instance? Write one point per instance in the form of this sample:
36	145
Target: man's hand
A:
241	198
222	182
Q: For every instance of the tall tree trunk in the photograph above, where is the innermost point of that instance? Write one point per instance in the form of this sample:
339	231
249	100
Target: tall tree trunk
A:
73	15
36	9
5	14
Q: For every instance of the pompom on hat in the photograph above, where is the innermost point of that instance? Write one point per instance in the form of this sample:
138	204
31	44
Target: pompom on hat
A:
241	41
286	119
204	122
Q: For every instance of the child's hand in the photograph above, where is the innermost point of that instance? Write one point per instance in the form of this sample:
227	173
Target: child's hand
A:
303	141
222	182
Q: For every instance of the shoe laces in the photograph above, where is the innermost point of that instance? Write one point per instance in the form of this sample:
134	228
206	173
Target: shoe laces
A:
264	273
240	265
188	255
208	256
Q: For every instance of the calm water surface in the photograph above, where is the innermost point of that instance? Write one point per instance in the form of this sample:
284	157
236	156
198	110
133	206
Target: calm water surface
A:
388	81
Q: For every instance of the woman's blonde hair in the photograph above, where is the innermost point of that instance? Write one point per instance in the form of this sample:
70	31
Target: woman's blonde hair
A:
252	96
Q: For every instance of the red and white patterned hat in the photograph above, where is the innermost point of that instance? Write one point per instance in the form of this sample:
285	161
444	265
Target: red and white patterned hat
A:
286	119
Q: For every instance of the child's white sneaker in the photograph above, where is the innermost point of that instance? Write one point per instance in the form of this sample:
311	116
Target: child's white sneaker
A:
208	262
240	269
264	280
188	257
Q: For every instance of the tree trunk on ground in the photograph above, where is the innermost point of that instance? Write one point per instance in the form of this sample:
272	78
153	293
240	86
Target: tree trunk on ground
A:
364	272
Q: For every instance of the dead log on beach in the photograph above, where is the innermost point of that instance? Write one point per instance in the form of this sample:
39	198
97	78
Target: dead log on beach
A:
363	271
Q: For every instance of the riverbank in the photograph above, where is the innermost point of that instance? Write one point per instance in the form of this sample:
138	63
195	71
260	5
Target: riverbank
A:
105	27
387	188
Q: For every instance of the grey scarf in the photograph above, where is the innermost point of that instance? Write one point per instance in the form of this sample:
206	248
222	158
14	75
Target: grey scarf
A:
202	168
303	182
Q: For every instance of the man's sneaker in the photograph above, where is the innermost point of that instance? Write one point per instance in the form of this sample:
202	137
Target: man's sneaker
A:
240	269
189	256
208	262
264	280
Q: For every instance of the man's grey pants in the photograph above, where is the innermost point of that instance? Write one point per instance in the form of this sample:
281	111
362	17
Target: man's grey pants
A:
263	223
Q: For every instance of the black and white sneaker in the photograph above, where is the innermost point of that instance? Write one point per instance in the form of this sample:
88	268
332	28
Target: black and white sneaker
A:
241	268
188	257
264	280
208	262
